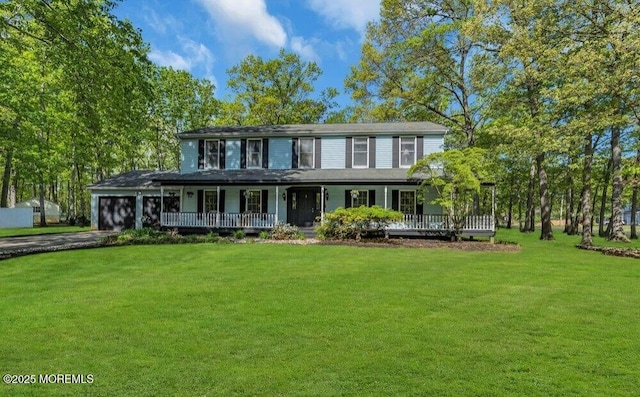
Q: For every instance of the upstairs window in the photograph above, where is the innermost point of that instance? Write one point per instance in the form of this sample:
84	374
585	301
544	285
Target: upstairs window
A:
254	153
306	153
212	154
407	152
360	152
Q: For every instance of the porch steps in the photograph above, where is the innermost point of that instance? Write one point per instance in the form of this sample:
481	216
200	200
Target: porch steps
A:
308	232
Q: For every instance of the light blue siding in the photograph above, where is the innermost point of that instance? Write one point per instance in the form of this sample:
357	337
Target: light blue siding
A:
333	152
280	153
232	159
189	156
433	144
384	155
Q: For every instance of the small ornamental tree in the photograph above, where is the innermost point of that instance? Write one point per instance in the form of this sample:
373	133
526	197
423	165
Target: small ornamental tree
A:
346	223
456	175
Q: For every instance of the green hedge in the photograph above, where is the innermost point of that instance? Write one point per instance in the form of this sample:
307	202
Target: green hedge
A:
355	223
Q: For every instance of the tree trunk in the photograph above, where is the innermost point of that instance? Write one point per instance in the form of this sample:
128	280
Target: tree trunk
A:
616	222
545	203
529	222
6	178
43	215
587	237
568	215
510	211
634	200
603	200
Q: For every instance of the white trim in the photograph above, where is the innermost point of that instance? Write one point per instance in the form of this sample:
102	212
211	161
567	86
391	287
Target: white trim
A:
353	152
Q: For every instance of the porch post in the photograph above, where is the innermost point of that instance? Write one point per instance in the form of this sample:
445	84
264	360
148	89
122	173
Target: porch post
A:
217	205
161	205
385	197
322	204
493	211
277	203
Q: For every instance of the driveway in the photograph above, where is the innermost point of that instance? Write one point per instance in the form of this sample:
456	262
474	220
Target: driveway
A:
16	246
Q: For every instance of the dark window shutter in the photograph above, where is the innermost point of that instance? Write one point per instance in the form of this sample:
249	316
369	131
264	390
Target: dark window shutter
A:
243	201
243	153
395	156
372	198
264	206
265	153
419	208
200	200
318	153
419	148
349	153
395	200
347	198
294	153
201	154
221	201
223	154
372	152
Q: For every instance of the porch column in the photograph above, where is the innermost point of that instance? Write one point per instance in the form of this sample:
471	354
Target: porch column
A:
217	206
277	203
322	204
161	205
386	192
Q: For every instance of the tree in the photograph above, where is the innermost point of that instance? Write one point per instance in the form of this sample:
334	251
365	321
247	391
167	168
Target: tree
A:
457	176
276	91
421	61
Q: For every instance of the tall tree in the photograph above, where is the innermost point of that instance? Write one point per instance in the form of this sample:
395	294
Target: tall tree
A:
276	91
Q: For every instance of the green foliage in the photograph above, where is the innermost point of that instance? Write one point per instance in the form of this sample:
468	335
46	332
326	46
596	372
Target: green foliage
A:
264	235
355	223
285	231
456	175
238	234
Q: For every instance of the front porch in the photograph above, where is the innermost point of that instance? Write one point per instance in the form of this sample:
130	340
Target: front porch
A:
437	225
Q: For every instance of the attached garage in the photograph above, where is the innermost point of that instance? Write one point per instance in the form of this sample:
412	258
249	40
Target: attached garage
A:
117	212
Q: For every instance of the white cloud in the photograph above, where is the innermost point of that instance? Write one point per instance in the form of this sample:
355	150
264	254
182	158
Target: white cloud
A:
347	14
237	18
169	58
304	48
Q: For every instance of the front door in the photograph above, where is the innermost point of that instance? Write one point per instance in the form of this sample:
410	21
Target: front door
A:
303	206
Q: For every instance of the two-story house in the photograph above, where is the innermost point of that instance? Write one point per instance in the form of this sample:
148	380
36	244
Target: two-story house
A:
255	177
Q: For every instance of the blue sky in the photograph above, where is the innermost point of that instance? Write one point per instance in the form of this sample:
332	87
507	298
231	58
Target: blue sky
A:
207	37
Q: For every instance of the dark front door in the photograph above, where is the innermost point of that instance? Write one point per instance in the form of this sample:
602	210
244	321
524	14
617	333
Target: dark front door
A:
303	206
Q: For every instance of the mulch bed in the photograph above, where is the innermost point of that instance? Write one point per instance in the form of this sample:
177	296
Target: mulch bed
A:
613	251
466	245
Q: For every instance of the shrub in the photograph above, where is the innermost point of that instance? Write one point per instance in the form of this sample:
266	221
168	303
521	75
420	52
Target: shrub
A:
264	235
238	234
285	231
347	223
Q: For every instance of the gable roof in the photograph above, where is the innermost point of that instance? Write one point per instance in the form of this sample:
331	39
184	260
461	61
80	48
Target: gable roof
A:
403	128
138	179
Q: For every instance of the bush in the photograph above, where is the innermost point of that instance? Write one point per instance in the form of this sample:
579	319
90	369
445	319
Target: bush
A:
357	222
285	231
238	234
264	235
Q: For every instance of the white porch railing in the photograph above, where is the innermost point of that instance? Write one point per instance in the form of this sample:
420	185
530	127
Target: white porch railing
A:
218	220
474	223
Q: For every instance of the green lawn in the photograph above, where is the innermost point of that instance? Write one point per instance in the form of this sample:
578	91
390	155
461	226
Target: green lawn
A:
257	319
30	231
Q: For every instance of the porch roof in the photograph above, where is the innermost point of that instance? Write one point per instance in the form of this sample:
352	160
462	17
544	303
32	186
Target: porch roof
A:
138	179
360	176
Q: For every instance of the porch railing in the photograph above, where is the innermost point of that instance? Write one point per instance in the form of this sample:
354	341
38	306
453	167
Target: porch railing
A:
443	223
218	220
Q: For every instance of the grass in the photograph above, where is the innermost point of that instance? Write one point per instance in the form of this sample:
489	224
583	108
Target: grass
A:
261	319
30	231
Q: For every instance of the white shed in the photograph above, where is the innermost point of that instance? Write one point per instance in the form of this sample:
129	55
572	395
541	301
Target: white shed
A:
51	209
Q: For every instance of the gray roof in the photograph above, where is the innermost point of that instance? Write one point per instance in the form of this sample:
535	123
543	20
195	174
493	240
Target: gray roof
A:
397	176
403	128
139	179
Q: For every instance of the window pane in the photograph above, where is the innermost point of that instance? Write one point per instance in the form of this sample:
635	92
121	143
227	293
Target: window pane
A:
407	151
213	154
360	152
254	155
210	201
408	202
305	157
253	201
362	198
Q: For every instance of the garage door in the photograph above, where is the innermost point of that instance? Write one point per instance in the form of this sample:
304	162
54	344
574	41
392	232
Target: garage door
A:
117	213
